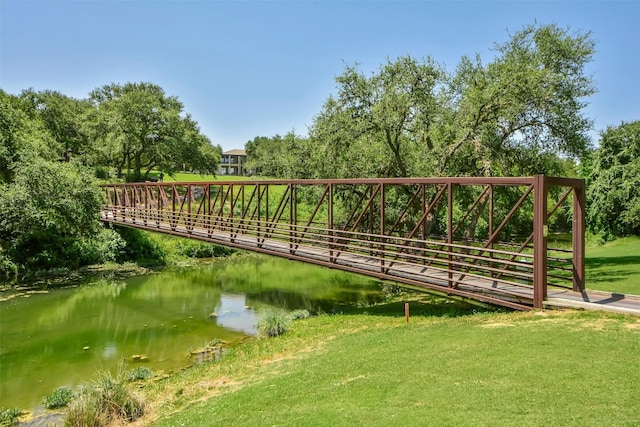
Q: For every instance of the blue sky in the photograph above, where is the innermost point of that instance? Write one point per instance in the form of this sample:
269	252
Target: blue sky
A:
249	68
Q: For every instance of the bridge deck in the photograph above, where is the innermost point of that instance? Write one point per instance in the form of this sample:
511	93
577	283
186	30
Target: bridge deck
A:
436	280
594	300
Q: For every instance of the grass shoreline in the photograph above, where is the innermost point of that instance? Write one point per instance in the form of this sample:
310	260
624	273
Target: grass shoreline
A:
180	398
450	364
46	280
369	367
173	252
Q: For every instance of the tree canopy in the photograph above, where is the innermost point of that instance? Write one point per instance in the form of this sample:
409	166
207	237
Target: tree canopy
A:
51	148
513	116
139	128
21	136
521	113
613	176
61	116
279	156
380	125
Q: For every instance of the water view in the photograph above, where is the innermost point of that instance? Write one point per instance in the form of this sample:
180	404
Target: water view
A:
64	336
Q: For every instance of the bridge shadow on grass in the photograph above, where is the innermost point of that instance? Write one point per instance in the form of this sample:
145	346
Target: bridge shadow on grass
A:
426	306
610	276
598	262
612	269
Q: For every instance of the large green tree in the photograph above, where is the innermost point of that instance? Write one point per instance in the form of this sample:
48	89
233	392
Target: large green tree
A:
49	201
522	113
20	136
285	156
515	115
139	128
380	125
49	216
613	190
63	118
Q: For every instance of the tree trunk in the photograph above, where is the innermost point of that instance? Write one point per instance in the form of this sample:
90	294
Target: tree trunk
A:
138	166
475	216
128	164
121	165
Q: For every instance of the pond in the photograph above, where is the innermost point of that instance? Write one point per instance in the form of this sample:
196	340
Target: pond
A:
65	336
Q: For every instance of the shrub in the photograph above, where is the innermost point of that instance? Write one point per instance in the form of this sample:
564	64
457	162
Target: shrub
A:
102	172
299	314
84	411
107	401
9	416
8	269
117	400
60	397
140	373
140	247
47	206
273	323
198	249
105	246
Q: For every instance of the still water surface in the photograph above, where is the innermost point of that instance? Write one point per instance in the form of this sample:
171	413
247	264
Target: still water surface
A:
64	336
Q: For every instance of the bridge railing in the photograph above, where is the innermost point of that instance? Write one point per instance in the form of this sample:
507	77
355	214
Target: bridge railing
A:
456	232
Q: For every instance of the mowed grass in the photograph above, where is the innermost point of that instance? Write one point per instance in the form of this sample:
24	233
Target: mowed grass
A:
445	367
614	266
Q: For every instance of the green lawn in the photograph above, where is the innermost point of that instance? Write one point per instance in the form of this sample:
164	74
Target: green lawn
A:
373	369
615	266
452	364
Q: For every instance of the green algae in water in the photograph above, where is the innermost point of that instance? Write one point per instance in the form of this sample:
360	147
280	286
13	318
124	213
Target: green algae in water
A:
63	337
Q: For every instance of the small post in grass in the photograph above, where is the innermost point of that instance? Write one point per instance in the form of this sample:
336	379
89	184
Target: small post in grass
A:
406	311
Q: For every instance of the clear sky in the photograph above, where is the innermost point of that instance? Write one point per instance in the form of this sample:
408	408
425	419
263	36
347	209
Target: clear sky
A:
260	68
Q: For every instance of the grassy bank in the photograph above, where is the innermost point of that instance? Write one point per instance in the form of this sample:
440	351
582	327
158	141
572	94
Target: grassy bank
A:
452	364
449	366
445	367
142	252
614	266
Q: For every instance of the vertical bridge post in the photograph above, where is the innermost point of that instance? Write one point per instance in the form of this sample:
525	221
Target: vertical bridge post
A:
540	231
578	236
449	232
382	238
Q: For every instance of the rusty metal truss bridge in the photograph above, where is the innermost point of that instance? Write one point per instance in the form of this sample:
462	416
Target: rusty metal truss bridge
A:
505	241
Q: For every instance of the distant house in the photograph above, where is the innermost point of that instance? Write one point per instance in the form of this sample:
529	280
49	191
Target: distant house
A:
233	162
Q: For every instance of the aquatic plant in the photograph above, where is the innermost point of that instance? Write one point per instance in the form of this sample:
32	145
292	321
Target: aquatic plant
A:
59	398
85	411
9	416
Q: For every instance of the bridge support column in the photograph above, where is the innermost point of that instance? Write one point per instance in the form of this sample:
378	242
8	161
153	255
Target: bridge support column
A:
330	220
450	233
540	232
578	237
382	220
